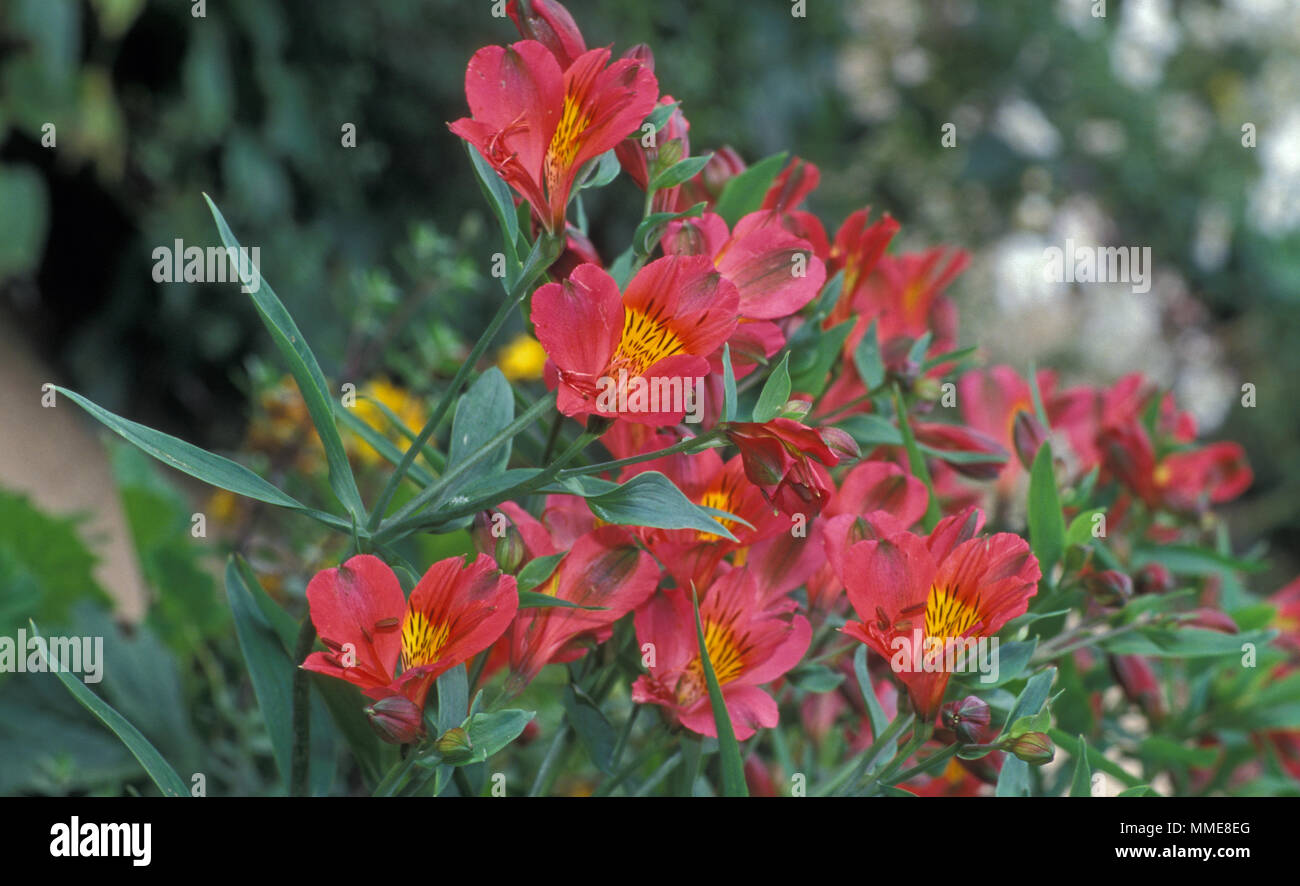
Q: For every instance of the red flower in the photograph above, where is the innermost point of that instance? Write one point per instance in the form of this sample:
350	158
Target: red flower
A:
788	460
775	271
913	593
603	569
747	647
537	125
370	628
633	356
550	24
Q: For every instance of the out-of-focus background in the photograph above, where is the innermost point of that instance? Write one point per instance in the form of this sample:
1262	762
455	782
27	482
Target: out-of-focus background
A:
1172	124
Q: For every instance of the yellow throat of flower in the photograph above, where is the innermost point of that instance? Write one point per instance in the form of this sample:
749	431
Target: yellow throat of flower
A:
646	340
422	640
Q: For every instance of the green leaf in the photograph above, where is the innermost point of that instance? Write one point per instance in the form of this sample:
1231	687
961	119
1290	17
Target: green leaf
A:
1096	760
953	356
1046	523
1039	722
1164	752
498	196
595	733
916	354
269	667
728	385
867	360
916	461
811	376
651	228
682	171
658	118
490	733
733	771
1033	696
534	600
775	392
870	431
188	458
1142	790
744	193
482	412
538	570
1189	560
1159	642
816	678
600	171
1013	780
1012	657
1080	531
453	698
306	372
157	768
875	713
650	499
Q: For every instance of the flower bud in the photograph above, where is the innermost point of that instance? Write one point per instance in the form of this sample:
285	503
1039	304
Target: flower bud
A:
551	25
1212	620
1109	588
454	745
396	719
1035	748
964	721
642	54
840	442
927	388
1027	436
509	552
1154	578
796	409
722	168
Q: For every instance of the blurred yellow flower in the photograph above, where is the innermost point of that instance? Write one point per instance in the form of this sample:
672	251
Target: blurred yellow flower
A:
408	408
522	359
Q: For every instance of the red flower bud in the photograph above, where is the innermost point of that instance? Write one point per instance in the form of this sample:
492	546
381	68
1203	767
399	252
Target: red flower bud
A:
1213	620
965	721
396	719
1027	435
1109	588
551	25
1154	578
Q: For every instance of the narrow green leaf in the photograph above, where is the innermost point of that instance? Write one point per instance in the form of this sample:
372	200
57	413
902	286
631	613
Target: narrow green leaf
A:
188	458
306	372
1033	696
651	228
867	359
453	698
482	412
595	733
650	499
679	172
870	430
812	374
733	771
535	600
775	392
875	713
728	385
1080	531
158	769
269	667
744	193
916	461
1013	780
1046	523
499	198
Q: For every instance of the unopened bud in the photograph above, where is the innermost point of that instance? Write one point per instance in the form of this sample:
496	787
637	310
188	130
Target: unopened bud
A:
1154	578
509	552
454	744
928	389
1212	620
1028	436
964	721
396	719
840	442
1035	748
1109	588
796	409
722	168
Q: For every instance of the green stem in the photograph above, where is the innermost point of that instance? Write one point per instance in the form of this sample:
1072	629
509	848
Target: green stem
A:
545	775
689	445
544	252
396	776
301	753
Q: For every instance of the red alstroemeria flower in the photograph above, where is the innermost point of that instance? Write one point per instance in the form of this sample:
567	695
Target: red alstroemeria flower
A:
747	647
788	460
622	356
602	569
991	401
948	585
776	272
869	487
537	125
799	179
1213	474
550	24
389	646
961	439
706	187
